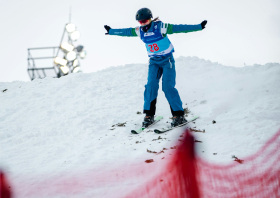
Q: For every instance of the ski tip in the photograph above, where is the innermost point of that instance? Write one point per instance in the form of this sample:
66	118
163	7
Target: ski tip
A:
157	131
134	132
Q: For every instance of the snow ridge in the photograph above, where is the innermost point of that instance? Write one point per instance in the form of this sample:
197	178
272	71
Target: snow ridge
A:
55	125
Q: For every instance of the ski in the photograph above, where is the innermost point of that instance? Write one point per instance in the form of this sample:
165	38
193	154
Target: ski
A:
169	129
157	119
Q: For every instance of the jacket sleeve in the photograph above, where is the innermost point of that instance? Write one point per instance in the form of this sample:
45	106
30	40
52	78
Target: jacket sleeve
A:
125	32
167	28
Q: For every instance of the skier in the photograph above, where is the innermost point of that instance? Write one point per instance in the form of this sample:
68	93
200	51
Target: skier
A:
160	50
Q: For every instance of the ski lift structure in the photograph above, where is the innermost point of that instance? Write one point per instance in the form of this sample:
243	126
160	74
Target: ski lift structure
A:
65	58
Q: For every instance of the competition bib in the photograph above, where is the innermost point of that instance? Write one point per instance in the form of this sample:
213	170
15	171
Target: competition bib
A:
156	44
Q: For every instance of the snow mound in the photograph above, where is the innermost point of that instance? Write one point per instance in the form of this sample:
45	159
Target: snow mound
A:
84	120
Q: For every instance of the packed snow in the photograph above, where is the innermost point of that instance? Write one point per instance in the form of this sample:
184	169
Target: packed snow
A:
51	127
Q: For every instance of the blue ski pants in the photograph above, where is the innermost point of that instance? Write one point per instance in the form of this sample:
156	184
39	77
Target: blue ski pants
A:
162	66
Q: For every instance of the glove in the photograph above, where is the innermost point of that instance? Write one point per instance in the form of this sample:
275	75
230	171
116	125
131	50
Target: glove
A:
203	23
107	28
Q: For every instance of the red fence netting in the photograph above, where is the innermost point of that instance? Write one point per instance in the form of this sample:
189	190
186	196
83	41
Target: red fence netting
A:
5	191
184	176
257	176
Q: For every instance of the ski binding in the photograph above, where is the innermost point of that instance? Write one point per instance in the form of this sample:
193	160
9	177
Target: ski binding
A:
169	129
157	119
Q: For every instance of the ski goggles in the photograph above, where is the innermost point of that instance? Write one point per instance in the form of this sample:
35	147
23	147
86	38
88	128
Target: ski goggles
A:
143	21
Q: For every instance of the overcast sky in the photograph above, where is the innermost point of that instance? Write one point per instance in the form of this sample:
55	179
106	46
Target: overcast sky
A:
238	32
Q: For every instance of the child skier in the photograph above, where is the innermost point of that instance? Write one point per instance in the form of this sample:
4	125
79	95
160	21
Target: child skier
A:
154	34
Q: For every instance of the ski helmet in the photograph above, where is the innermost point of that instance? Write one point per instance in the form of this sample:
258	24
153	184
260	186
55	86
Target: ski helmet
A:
143	14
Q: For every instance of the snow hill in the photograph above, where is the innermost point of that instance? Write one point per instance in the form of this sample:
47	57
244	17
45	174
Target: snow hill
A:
83	121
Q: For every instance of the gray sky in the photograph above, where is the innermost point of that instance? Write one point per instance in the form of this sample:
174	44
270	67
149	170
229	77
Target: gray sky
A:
238	32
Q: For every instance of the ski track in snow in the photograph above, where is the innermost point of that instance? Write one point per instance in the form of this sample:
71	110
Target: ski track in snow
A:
54	126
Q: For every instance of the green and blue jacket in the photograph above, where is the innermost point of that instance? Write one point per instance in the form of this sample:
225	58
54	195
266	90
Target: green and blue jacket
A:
156	40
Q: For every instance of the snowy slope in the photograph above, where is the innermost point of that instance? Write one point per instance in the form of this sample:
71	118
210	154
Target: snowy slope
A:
52	126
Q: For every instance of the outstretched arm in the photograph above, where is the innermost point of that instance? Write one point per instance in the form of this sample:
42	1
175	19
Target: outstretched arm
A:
121	32
167	28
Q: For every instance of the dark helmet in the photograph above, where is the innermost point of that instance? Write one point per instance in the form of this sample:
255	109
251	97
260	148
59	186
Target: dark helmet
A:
143	14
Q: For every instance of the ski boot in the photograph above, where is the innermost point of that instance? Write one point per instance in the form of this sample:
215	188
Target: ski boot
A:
148	120
177	120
